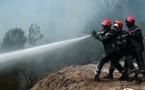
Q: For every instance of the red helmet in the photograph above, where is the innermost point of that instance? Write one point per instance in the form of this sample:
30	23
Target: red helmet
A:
106	22
119	22
130	19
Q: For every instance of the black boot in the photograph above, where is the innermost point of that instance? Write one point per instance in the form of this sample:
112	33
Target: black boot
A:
143	73
137	80
124	75
96	77
109	76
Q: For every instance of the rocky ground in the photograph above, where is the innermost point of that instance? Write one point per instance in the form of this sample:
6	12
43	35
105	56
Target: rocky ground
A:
80	77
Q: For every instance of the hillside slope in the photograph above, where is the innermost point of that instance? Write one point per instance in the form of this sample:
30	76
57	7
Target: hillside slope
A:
79	77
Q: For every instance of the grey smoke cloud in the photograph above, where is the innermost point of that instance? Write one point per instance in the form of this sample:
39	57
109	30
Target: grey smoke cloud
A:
58	19
62	19
65	19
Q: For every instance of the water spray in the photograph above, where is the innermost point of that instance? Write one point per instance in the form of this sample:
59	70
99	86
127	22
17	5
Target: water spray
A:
26	53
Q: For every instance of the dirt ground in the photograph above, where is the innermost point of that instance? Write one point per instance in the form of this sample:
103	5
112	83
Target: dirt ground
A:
79	77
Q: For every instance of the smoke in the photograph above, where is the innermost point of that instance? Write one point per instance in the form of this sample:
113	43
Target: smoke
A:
124	8
58	19
66	19
63	19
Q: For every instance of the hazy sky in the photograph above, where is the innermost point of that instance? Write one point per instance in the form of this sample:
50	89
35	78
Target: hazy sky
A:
61	19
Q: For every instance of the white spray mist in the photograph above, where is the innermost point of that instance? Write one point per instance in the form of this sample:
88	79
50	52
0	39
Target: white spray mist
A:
17	56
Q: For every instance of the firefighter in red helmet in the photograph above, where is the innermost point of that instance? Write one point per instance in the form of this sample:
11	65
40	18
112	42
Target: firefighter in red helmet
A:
118	25
109	47
106	23
122	41
136	40
130	19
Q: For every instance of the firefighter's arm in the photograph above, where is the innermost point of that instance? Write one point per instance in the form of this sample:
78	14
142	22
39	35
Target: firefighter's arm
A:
95	34
135	33
105	37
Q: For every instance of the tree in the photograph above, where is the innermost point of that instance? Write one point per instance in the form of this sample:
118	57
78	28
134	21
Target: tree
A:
29	76
34	34
14	39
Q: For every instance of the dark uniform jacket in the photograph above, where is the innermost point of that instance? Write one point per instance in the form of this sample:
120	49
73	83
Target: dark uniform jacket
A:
121	39
106	38
136	38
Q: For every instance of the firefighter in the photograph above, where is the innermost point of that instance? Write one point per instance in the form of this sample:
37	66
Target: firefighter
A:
122	41
109	47
136	40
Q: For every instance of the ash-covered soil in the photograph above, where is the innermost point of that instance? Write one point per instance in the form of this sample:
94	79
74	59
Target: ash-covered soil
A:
80	77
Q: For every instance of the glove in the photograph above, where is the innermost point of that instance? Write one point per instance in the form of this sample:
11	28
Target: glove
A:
94	33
